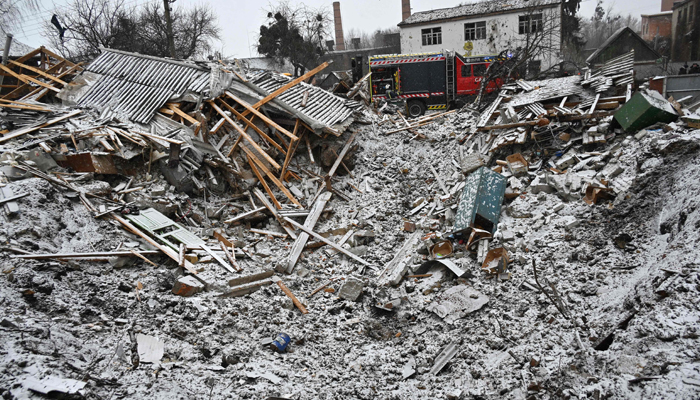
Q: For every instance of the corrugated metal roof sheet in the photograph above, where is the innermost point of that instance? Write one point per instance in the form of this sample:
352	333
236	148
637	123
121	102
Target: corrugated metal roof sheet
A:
322	106
136	86
549	89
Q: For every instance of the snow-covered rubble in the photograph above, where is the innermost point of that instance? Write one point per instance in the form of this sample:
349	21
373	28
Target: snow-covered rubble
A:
611	312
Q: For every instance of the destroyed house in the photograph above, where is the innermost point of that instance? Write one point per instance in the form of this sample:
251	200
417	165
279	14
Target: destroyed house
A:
487	27
621	42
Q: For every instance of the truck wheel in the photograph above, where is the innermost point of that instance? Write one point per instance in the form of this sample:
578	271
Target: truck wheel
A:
416	108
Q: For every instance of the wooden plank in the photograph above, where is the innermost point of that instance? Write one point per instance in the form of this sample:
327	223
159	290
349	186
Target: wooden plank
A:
595	103
30	54
290	152
230	257
440	182
250	124
328	242
54	55
311	219
342	154
250	278
217	258
139	255
33	128
244	215
308	148
245	135
289	294
273	178
288	86
184	115
274	212
260	115
38	71
263	183
44	256
268	233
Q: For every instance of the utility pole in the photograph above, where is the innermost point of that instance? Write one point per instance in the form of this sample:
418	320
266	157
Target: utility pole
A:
169	27
6	55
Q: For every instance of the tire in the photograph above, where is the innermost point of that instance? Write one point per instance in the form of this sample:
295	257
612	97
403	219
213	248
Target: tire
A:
415	108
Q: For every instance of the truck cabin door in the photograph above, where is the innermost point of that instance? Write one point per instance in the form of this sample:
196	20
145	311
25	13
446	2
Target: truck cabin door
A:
469	78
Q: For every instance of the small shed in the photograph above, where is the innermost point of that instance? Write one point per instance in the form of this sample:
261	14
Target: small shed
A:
622	42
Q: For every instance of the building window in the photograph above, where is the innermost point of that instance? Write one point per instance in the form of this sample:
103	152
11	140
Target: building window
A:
475	30
530	23
690	12
431	36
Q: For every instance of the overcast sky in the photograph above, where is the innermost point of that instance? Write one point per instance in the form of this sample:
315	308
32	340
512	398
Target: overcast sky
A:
240	20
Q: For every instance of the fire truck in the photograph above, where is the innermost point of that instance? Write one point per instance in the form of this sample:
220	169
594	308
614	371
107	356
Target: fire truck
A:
428	81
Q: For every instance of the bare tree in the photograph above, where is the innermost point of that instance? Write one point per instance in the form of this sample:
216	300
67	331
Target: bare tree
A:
92	24
538	36
604	23
194	30
13	13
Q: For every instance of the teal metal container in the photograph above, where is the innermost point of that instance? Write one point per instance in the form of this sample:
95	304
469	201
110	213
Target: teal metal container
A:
644	109
480	203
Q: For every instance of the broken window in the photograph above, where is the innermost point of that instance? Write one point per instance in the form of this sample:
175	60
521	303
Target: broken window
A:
475	30
530	23
431	36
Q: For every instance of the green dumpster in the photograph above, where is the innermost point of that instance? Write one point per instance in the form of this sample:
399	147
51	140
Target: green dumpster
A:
644	109
480	203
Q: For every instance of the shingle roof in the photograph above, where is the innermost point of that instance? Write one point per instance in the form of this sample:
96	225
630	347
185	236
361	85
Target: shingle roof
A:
478	8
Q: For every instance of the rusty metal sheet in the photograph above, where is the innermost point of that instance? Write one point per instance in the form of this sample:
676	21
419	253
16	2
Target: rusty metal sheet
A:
87	162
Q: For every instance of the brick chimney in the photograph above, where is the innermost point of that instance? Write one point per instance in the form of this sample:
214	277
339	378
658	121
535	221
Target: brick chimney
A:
405	9
339	42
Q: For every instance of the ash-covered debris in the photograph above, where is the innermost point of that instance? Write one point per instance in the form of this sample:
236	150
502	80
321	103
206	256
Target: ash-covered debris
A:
256	238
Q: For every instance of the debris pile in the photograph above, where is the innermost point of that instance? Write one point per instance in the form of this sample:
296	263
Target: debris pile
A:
164	237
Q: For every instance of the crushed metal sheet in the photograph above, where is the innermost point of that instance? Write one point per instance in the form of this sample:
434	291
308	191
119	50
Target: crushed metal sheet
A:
136	86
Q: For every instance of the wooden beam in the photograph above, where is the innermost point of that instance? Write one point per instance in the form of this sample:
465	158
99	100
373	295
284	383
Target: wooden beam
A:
245	135
30	55
38	71
274	212
33	128
253	126
263	183
184	115
260	115
273	178
310	223
245	214
289	294
97	254
326	241
54	55
342	154
290	152
288	86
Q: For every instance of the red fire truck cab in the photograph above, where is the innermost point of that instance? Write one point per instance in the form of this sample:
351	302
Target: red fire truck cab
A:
429	81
